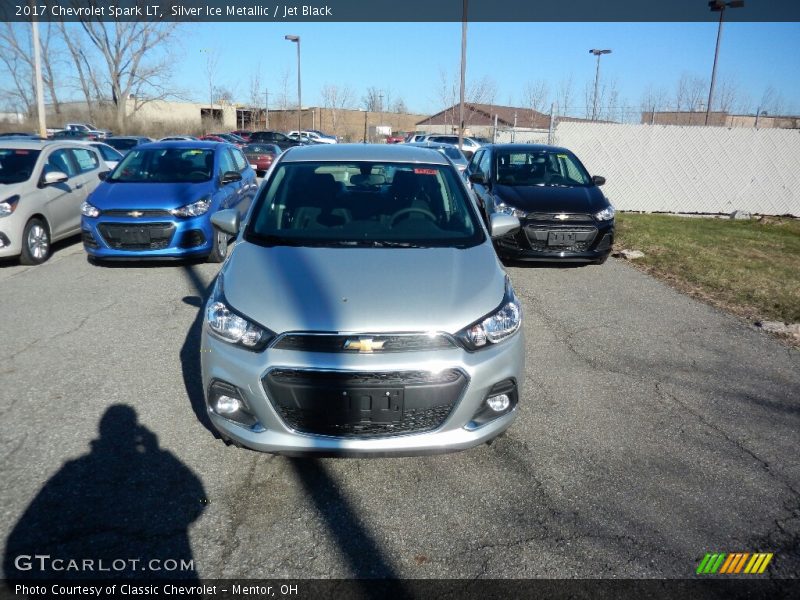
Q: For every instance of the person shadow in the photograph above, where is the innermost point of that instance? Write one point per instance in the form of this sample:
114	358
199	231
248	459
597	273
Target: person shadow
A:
120	511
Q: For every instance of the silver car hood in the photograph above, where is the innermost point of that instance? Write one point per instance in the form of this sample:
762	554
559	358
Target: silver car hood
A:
367	290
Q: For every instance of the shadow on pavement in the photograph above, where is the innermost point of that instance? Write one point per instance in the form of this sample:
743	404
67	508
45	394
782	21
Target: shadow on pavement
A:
127	500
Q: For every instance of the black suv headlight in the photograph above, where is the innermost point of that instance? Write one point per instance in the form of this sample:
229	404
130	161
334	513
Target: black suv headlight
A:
498	325
229	326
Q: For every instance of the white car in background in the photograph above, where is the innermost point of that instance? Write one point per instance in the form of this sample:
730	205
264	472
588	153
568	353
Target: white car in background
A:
111	156
315	136
42	186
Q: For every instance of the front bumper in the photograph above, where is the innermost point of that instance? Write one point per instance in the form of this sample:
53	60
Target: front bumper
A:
246	370
591	241
11	228
127	238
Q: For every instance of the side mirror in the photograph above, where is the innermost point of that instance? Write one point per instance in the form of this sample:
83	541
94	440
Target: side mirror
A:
598	179
230	177
102	175
226	221
54	177
477	177
500	225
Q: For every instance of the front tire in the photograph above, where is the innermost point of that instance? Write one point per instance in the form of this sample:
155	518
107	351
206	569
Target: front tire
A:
219	250
35	243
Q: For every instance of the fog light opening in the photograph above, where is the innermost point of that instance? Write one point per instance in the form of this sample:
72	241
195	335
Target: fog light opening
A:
225	400
499	403
226	405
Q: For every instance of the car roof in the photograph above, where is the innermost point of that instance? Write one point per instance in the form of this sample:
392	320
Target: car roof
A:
190	144
364	152
529	147
17	144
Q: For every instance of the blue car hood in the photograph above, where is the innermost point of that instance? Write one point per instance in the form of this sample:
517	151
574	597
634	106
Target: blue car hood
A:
148	195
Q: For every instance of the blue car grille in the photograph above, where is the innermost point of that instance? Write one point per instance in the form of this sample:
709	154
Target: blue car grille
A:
137	236
136	213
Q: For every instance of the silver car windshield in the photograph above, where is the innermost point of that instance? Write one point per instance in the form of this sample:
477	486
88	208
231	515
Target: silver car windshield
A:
16	165
364	204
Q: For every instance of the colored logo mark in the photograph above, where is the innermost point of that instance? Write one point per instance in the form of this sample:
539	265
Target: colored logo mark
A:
736	563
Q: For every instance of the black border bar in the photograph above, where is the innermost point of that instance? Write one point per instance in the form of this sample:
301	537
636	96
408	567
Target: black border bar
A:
334	11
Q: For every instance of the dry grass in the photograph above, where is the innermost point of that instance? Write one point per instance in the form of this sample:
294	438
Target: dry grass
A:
750	268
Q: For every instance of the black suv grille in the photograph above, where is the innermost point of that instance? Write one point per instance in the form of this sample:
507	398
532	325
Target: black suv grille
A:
356	404
137	236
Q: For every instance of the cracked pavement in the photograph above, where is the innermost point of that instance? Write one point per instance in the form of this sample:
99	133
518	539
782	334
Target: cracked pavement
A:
652	429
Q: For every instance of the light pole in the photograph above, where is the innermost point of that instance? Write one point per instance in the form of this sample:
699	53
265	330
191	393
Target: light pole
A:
266	115
718	6
463	76
296	39
598	54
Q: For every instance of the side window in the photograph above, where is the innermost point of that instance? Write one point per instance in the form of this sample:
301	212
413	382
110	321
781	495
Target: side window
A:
473	164
241	163
226	162
485	165
85	158
60	160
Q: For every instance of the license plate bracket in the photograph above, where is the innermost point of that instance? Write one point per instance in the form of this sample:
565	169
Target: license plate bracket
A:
135	235
561	238
366	405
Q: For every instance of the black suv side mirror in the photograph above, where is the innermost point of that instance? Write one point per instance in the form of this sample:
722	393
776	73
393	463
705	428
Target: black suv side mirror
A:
598	179
477	177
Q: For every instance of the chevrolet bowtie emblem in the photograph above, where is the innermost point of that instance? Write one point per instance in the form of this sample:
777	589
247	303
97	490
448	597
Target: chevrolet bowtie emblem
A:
363	345
135	214
562	217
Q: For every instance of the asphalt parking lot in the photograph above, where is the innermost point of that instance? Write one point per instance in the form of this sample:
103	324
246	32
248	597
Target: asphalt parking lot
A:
652	429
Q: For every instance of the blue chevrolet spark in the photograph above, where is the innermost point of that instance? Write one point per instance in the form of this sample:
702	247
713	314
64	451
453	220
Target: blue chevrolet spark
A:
157	203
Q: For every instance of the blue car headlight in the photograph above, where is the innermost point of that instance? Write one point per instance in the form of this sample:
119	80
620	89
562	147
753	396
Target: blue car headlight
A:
89	210
195	209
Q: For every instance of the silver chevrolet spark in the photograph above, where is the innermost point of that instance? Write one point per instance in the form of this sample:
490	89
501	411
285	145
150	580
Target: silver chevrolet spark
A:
363	310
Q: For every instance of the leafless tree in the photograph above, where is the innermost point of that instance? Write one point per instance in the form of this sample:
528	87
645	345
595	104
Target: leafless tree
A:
447	95
725	94
399	106
535	95
373	100
16	58
133	60
481	91
690	93
336	98
772	101
283	90
564	95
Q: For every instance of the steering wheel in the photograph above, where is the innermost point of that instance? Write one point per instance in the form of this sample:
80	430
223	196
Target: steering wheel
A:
406	211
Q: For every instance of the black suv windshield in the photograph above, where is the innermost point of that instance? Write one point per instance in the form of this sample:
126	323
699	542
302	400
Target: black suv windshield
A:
540	167
16	165
364	204
165	165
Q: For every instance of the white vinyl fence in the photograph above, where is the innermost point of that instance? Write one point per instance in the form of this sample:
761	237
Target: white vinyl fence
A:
668	168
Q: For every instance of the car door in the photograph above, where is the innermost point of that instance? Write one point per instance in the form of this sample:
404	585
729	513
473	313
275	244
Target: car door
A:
248	184
481	164
229	193
62	201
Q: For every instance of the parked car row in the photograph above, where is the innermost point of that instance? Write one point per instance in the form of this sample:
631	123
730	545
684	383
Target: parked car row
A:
285	332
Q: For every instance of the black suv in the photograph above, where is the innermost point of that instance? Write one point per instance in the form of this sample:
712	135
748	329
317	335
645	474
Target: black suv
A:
563	213
274	137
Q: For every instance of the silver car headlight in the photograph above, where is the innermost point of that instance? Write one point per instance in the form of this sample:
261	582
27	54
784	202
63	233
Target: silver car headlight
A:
506	209
8	205
88	210
606	214
195	209
500	324
227	325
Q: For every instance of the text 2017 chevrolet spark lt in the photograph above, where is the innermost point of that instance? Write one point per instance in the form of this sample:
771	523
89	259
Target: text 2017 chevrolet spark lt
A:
157	202
363	310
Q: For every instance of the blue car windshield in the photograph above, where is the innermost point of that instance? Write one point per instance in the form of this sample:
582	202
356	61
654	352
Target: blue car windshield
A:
164	165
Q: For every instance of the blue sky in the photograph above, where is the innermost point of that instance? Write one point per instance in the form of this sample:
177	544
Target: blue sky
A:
407	58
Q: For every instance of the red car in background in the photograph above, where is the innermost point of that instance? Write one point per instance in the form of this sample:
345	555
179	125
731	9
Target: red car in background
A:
261	156
214	138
